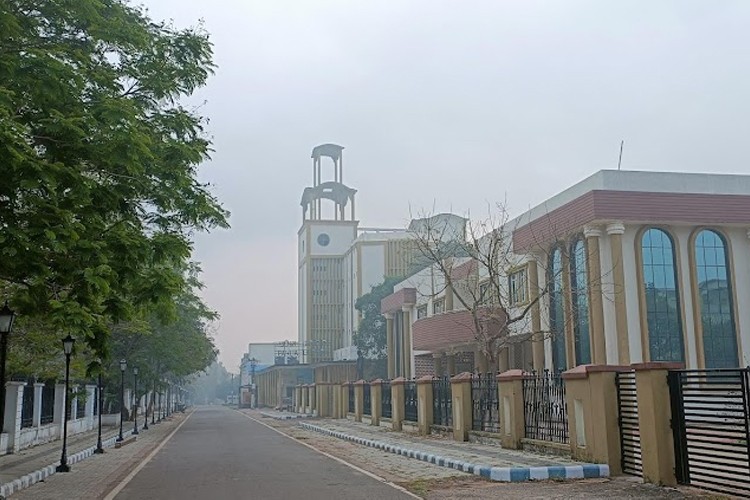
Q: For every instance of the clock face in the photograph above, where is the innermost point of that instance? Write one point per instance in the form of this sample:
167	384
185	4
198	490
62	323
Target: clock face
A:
323	239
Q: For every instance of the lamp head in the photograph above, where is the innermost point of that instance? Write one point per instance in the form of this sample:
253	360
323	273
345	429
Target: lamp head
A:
123	365
7	315
68	343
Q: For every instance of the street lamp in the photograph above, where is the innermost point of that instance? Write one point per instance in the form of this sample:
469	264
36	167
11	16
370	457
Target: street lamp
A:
145	410
135	400
123	367
99	448
153	404
6	324
68	343
253	397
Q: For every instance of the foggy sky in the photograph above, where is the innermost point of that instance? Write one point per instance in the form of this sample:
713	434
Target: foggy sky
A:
447	104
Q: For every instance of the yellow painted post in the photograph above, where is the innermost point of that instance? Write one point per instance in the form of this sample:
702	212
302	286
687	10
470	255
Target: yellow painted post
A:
461	395
424	405
510	393
359	400
345	399
397	403
313	399
376	395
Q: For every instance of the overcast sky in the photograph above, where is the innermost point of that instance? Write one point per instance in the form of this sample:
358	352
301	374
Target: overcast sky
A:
447	103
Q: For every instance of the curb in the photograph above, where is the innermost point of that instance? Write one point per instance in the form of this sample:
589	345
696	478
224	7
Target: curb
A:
31	478
285	417
501	474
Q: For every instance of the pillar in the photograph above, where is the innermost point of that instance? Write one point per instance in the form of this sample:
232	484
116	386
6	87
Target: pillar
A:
359	399
313	399
59	412
12	417
424	405
336	399
322	393
537	336
376	396
407	351
512	422
397	403
654	422
596	311
89	411
461	395
615	232
305	399
389	344
345	399
38	387
593	414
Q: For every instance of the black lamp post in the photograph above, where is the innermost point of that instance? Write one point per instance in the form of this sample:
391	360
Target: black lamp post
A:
6	324
123	367
99	448
68	343
135	400
145	411
160	411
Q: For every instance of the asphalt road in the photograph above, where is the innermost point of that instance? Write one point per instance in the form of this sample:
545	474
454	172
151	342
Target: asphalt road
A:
221	454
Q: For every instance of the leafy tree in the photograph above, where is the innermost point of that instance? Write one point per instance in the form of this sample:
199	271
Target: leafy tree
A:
99	196
370	337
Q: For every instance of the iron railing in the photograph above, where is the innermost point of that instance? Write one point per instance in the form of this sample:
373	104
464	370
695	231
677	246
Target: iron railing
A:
711	426
544	410
366	400
386	404
81	403
484	403
630	434
48	403
442	402
411	412
27	408
351	398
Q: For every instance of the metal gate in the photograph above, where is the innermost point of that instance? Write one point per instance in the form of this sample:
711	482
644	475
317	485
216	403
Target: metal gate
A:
711	426
630	434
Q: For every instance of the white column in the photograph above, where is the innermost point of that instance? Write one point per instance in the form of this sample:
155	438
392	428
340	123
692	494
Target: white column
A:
59	415
89	414
12	418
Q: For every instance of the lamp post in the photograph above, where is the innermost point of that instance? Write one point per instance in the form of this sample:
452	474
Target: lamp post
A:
6	324
123	367
145	410
153	405
99	448
68	343
135	400
253	397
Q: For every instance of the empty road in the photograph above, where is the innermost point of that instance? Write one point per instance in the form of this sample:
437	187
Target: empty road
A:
221	454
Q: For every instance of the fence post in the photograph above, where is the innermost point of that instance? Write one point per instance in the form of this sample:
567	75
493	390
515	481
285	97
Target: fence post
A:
89	413
591	398
324	407
359	400
376	396
37	420
12	417
424	405
511	415
654	422
305	398
397	403
345	399
313	399
461	394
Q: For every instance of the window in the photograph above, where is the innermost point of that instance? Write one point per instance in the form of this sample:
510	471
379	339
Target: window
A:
579	289
517	287
438	306
715	300
662	297
422	311
484	293
556	309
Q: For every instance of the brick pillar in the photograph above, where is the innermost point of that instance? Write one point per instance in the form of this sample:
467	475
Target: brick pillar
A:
654	422
12	417
424	405
512	424
38	386
397	403
461	395
591	399
359	400
376	396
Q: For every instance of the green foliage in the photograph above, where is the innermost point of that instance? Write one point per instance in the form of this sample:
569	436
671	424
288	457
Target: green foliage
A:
99	195
370	338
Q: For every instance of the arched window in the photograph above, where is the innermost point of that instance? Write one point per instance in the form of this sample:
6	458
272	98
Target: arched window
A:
715	298
579	289
662	297
556	309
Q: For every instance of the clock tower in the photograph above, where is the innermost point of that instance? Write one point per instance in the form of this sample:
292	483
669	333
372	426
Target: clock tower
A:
326	234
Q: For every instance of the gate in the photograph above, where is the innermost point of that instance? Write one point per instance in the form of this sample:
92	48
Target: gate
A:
630	435
711	426
484	403
544	410
442	402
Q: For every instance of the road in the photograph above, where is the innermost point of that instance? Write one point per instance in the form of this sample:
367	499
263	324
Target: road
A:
221	454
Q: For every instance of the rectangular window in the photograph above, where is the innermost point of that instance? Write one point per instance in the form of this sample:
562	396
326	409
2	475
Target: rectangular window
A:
517	287
438	306
484	293
422	312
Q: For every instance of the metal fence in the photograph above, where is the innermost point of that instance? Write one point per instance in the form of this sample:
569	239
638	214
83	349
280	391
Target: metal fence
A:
630	434
81	403
711	426
351	399
48	403
27	408
411	412
544	410
442	402
366	400
484	403
386	404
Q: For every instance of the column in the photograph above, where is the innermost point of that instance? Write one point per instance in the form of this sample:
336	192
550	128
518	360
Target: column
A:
345	399
407	353
12	417
461	396
397	403
537	337
376	396
424	405
359	397
89	412
389	342
512	423
594	273
59	415
615	232
38	386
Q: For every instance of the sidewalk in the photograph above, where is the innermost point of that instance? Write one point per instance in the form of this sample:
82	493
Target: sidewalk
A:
489	461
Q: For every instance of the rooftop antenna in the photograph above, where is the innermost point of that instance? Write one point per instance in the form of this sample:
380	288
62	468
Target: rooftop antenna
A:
619	162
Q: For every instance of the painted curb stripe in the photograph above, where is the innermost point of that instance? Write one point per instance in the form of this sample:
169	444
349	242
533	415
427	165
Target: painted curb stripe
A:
501	474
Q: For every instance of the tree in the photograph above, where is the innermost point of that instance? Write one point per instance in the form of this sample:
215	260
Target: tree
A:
370	337
99	197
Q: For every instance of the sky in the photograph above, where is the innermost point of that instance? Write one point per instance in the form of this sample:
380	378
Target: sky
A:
444	106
